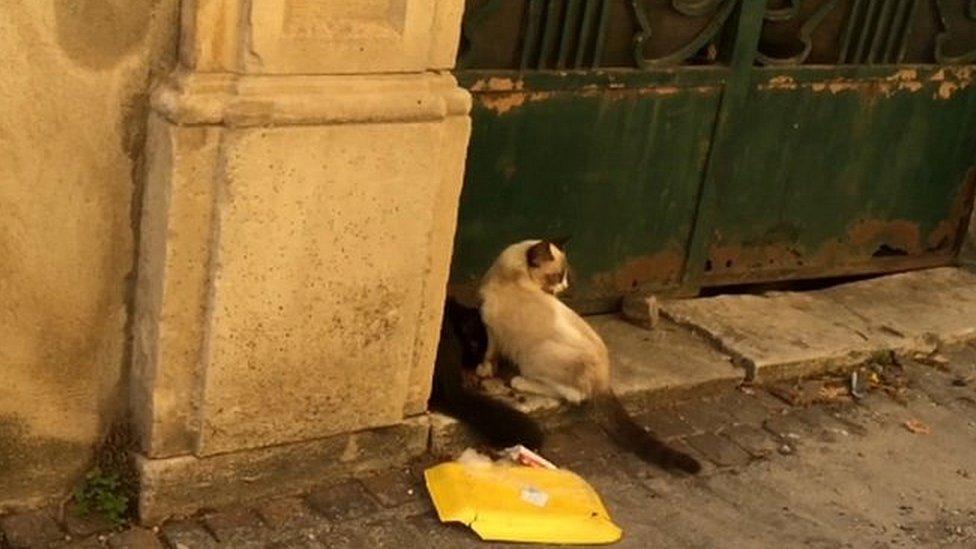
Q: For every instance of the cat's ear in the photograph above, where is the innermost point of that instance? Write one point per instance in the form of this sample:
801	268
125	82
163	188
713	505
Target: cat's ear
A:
560	242
539	253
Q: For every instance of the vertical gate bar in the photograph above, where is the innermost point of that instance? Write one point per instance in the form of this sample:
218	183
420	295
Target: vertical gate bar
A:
852	20
909	22
738	88
570	29
881	31
601	33
867	29
550	33
531	32
586	32
897	27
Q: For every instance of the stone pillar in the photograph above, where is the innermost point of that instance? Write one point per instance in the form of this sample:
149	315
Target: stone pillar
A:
303	172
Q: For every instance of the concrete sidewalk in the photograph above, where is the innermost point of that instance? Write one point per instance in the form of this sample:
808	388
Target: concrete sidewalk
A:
789	334
703	345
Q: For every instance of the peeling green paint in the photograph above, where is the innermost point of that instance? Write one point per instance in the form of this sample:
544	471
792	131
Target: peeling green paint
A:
681	177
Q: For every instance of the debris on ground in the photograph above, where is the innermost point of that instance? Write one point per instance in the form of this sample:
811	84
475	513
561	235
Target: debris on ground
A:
917	427
856	385
641	310
523	456
888	378
806	392
963	381
932	359
520	497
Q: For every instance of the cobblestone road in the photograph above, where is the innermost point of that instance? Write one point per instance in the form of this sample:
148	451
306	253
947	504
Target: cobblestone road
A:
794	465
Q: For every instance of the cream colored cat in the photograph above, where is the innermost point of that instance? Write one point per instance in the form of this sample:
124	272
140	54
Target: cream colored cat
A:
556	352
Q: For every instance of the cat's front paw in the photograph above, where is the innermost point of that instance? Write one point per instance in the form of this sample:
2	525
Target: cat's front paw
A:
485	369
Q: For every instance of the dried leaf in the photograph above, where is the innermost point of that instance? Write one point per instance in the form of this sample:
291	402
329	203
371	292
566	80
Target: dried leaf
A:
917	427
833	392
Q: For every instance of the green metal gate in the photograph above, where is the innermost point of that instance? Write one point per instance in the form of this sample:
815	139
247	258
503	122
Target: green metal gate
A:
694	143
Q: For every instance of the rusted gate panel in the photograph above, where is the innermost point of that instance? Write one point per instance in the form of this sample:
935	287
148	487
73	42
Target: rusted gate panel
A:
691	143
856	144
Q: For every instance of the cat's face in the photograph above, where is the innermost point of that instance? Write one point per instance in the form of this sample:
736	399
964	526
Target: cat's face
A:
548	266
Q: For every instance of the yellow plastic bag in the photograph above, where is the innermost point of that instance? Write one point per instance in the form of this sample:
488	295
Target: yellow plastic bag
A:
524	504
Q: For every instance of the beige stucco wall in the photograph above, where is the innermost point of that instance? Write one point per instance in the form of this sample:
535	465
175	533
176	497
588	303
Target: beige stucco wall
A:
74	80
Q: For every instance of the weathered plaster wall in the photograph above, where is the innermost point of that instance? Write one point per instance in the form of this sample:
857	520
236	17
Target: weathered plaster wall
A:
74	82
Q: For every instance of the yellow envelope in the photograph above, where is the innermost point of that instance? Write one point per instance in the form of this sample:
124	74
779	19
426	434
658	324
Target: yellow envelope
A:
525	504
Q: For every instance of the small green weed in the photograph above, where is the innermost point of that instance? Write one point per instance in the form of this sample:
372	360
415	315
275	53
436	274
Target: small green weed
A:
103	494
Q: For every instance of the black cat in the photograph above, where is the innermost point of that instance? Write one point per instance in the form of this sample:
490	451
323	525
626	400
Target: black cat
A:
462	347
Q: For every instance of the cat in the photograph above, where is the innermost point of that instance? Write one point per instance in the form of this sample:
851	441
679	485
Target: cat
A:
462	347
556	352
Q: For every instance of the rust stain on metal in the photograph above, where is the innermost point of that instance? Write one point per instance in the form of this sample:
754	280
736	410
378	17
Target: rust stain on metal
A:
497	84
864	240
909	75
901	243
660	267
501	103
904	80
899	235
661	91
836	86
734	258
951	80
951	231
885	88
783	82
947	81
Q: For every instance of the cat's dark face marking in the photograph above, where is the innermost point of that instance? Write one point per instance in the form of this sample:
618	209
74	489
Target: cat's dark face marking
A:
548	266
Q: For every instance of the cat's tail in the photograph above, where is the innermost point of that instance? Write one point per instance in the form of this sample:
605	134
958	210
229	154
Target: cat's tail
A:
501	425
611	415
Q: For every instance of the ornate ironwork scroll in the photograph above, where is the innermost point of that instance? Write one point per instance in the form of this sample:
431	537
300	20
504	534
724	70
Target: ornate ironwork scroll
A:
868	32
588	34
719	10
943	39
806	32
533	35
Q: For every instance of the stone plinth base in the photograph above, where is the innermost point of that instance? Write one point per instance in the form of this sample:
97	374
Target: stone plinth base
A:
182	485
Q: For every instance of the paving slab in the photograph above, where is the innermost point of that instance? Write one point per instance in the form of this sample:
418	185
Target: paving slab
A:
187	534
922	307
757	442
666	363
650	368
136	538
34	529
719	450
780	335
81	525
344	501
235	527
287	513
